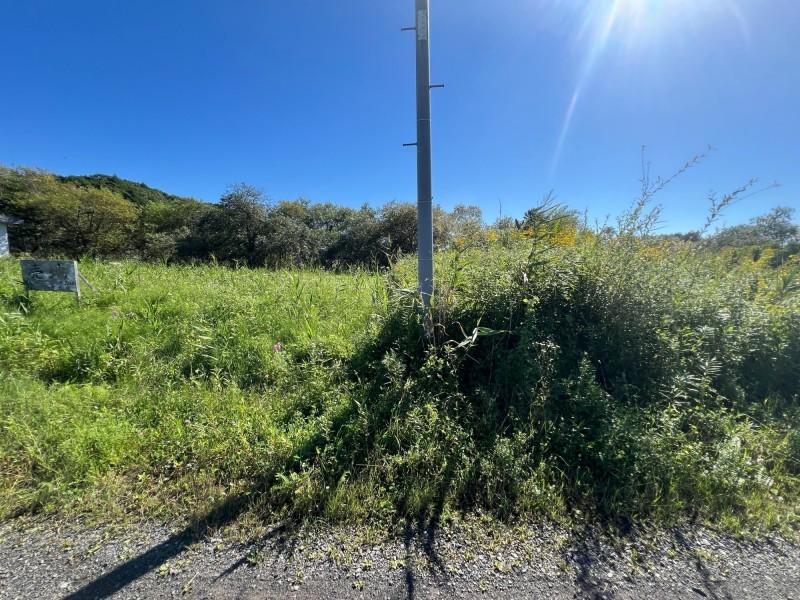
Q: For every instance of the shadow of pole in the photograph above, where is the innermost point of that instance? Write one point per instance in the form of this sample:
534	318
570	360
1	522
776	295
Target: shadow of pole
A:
423	534
224	514
410	579
584	552
712	589
278	532
231	509
128	572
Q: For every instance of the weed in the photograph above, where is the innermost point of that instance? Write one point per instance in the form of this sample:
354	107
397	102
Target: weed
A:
614	376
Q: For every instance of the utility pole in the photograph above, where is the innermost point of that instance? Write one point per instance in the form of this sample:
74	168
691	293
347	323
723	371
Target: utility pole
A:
423	144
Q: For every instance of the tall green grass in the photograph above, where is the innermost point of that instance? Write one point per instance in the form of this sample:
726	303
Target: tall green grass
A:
609	376
182	379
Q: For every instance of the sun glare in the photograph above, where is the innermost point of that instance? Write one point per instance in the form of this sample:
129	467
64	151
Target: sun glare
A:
636	26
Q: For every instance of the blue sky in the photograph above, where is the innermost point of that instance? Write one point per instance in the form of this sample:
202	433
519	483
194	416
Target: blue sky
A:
314	98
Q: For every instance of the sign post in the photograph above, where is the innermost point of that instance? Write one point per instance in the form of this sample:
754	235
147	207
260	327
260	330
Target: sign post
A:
51	276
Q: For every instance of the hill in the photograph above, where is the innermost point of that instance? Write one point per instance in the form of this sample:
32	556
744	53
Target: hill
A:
138	193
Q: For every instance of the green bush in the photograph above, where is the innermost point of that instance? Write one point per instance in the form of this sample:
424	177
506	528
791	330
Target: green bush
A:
614	377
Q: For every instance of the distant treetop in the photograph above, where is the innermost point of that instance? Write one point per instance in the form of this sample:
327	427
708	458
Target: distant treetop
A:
138	193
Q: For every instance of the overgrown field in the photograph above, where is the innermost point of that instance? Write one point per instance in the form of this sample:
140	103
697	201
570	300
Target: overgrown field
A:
599	376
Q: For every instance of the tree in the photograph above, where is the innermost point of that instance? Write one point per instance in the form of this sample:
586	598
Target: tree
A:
777	226
235	230
399	227
62	218
358	242
774	229
168	230
17	187
94	221
467	225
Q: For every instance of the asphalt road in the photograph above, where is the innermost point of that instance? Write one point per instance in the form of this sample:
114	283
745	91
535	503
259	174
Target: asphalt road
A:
50	559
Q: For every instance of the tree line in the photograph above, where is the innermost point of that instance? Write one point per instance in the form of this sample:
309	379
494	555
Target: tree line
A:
105	216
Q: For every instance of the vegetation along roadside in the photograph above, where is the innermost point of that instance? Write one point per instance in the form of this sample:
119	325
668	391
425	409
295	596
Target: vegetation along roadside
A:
599	371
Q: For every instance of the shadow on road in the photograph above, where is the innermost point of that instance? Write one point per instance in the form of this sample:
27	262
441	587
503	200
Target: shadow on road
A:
419	535
711	589
128	572
585	554
422	535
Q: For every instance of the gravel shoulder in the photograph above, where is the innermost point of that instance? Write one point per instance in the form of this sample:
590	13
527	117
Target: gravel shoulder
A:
50	559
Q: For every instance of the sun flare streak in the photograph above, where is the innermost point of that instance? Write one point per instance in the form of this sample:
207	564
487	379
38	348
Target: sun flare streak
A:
565	130
635	24
597	47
